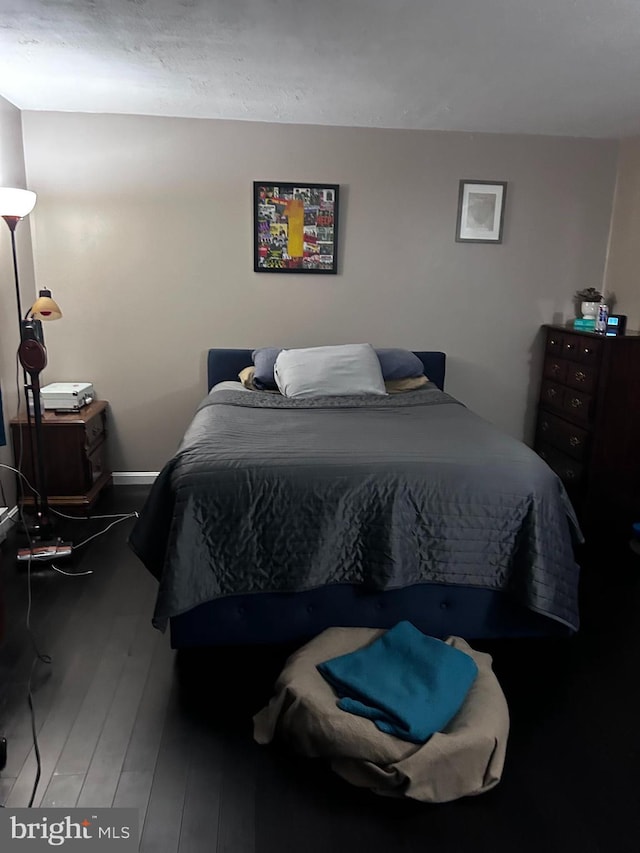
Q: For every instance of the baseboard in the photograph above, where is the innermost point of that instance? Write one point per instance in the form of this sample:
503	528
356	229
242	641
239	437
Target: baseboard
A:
134	478
6	520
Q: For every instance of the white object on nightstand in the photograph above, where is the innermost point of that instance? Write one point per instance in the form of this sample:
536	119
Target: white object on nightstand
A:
67	396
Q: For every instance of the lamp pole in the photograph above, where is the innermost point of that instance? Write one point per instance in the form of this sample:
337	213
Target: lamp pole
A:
12	221
15	204
40	510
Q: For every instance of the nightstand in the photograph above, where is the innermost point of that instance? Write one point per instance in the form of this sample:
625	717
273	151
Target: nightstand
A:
75	451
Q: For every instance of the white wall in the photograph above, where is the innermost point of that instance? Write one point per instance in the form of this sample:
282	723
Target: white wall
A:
143	230
12	174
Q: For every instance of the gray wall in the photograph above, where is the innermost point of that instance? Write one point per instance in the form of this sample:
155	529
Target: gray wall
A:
12	174
622	277
143	230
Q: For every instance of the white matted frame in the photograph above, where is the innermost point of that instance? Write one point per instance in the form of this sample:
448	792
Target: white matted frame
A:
481	211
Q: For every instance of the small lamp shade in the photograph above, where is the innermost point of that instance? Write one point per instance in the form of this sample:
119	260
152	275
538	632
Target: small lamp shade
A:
15	202
45	308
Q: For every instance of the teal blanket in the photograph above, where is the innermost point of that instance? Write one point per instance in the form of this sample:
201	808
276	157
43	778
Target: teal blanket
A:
409	684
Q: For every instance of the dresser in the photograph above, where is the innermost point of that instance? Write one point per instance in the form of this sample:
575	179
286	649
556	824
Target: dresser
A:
588	420
75	451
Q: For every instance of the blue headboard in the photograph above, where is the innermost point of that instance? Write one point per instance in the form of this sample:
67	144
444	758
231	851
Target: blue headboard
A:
227	363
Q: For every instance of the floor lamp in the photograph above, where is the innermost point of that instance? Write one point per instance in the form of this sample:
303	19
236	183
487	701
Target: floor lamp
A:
15	204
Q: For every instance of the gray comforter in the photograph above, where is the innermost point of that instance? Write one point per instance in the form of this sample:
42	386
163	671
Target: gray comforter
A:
272	494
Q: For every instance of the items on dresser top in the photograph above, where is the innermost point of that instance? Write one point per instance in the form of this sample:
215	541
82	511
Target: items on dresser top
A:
589	416
584	324
67	396
616	324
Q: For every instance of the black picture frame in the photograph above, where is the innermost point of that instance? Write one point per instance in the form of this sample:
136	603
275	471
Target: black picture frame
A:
481	207
290	221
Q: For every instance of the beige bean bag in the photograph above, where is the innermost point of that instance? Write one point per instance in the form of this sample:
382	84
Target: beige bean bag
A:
465	759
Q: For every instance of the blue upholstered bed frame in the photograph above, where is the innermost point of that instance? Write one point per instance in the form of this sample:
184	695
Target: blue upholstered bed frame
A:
437	609
227	363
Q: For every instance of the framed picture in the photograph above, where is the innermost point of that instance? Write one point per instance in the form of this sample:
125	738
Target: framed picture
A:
295	227
481	211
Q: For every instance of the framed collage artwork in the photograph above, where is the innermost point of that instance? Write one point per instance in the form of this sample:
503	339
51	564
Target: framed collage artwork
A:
295	227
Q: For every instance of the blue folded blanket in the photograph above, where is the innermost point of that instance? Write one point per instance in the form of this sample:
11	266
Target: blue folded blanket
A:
409	684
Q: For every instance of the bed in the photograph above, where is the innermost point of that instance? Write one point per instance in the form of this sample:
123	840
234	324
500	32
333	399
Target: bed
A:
277	519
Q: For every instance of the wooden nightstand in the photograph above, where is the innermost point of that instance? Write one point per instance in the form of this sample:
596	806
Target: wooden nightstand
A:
75	450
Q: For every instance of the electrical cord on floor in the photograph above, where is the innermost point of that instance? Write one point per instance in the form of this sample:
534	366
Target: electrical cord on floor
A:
120	516
70	574
40	657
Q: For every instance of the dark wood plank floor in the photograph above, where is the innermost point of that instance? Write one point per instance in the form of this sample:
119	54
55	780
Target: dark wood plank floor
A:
123	721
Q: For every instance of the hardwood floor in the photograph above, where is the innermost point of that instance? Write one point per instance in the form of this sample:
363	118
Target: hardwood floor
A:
123	721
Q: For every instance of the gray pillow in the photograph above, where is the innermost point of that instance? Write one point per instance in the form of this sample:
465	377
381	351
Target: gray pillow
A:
395	364
399	364
264	360
336	371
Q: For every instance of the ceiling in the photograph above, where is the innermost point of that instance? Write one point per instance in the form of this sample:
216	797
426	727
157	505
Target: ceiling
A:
568	67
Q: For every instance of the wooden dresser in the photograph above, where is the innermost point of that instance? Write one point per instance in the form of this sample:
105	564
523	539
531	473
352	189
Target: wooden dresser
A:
75	451
588	423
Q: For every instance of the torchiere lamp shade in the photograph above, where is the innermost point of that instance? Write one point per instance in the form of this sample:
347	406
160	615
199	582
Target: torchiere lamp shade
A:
15	202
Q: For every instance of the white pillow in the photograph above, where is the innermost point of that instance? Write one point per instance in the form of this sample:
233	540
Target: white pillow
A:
335	371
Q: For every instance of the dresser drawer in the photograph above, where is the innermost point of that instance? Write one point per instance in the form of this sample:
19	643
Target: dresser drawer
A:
94	431
589	350
555	342
582	377
570	347
564	436
570	403
586	350
552	394
555	368
569	470
577	405
97	463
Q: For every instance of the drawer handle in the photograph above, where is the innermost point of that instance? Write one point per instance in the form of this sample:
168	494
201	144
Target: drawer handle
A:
588	351
553	342
544	426
580	376
574	441
555	369
571	346
569	474
551	392
575	403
